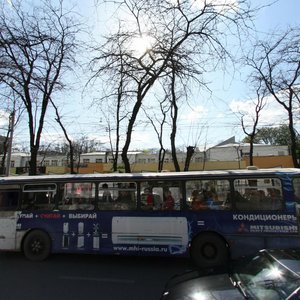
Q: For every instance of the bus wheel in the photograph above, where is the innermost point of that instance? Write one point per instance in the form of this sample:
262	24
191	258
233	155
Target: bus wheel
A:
209	250
37	245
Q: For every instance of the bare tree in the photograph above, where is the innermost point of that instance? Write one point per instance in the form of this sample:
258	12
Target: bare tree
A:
185	37
259	105
70	143
114	105
79	146
158	123
37	47
276	65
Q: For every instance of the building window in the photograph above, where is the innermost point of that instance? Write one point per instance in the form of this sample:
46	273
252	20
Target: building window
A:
46	163
86	160
12	163
54	163
99	160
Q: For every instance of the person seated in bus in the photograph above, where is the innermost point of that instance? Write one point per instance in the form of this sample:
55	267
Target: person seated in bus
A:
169	201
126	199
75	204
274	196
29	201
147	199
195	195
211	200
157	202
106	196
198	203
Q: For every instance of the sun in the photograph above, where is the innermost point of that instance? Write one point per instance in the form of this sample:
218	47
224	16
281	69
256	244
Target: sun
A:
140	45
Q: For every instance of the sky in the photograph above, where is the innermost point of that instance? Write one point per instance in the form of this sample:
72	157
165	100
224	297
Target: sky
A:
211	119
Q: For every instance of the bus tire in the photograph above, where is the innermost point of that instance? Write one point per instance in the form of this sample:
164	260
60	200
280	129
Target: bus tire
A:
209	250
37	245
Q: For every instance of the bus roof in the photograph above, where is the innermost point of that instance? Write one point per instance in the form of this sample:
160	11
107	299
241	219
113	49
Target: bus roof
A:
148	175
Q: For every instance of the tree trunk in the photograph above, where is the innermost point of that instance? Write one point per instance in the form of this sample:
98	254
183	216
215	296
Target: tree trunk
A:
131	123
190	150
293	142
251	150
161	159
33	161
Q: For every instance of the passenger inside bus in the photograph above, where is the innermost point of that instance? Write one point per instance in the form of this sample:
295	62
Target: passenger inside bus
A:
168	200
147	199
106	195
198	202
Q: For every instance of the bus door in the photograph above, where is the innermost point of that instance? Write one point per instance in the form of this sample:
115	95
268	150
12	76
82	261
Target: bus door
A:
9	196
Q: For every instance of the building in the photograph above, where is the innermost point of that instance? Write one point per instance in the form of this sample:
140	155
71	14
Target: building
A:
238	151
226	155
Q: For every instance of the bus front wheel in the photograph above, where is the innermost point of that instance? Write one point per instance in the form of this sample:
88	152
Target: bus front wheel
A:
37	245
209	250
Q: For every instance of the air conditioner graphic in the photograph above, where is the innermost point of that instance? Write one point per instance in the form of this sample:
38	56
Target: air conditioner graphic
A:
150	230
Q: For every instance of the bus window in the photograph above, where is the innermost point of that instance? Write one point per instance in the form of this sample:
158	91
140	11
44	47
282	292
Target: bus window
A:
38	196
296	185
117	196
78	196
207	194
258	194
9	197
160	195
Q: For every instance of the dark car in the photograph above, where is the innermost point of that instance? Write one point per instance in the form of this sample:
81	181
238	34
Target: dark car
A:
271	274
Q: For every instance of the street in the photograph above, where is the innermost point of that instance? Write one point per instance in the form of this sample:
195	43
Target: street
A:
87	277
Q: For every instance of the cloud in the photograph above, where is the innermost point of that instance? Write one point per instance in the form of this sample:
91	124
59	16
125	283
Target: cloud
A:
272	114
4	117
195	115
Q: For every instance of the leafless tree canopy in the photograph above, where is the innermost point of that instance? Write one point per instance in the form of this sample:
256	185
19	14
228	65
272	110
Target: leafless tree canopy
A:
37	47
251	133
187	39
276	68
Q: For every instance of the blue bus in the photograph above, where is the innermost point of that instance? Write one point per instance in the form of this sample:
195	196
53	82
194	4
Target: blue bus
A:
210	216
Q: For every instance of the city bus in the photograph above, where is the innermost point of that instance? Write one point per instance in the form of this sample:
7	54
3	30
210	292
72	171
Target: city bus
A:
210	216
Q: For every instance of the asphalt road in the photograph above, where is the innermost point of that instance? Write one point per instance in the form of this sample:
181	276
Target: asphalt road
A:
86	277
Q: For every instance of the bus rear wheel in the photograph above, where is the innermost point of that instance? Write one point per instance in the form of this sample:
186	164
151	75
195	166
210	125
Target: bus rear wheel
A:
37	245
209	250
